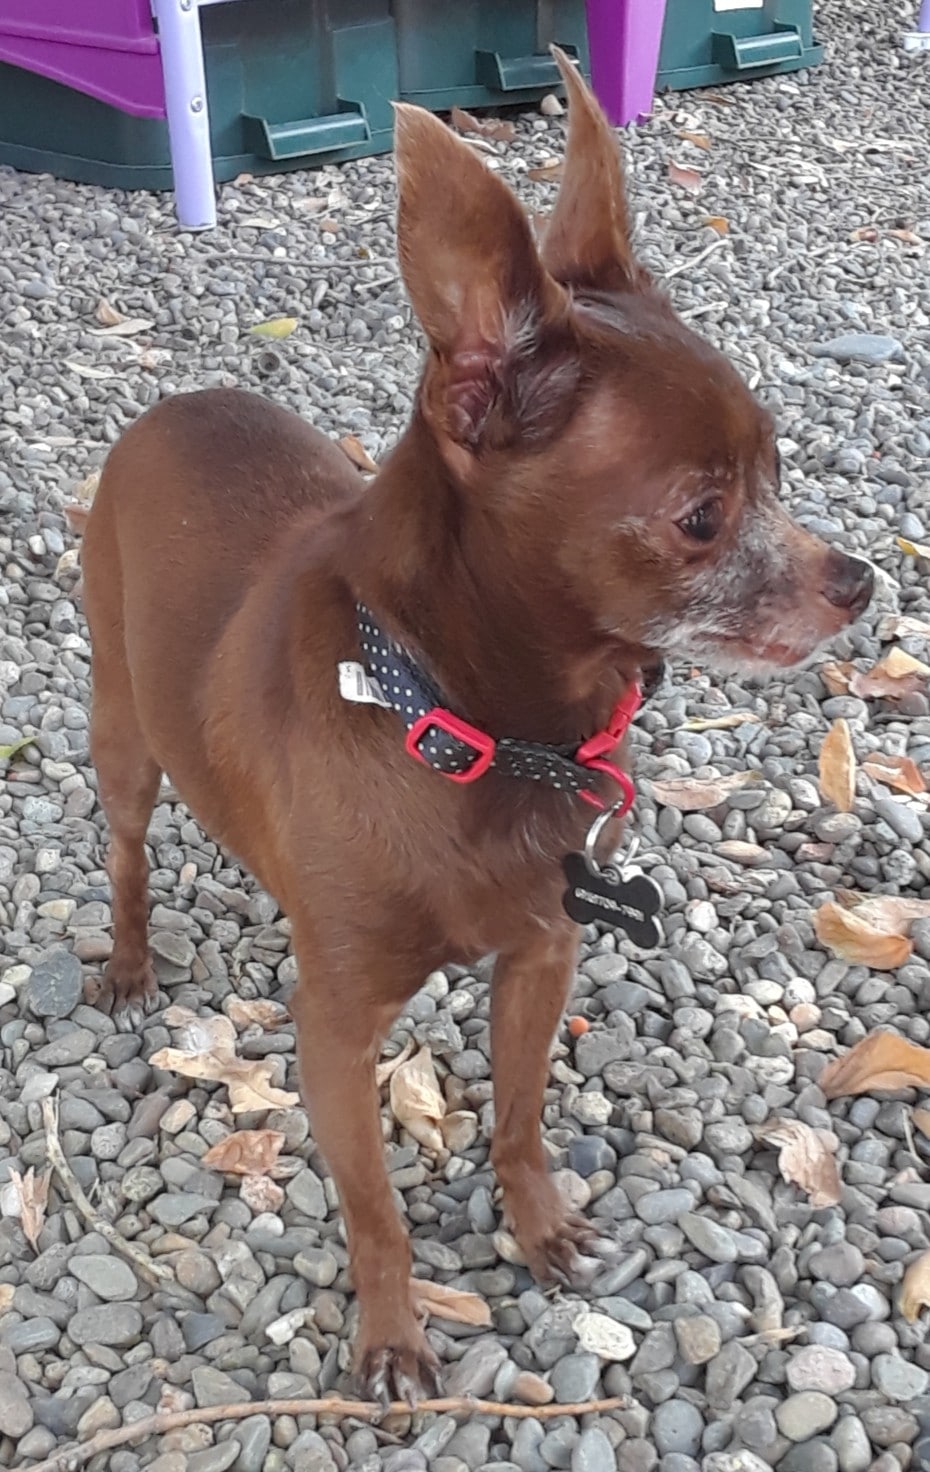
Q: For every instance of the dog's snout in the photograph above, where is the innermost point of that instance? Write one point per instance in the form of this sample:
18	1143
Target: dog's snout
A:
849	583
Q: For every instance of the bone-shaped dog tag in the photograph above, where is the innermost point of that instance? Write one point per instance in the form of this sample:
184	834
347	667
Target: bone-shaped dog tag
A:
626	899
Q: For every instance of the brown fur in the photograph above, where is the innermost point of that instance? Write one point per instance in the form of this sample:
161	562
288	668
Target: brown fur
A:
524	539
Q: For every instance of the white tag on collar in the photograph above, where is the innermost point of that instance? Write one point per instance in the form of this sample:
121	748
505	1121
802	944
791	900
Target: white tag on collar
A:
357	686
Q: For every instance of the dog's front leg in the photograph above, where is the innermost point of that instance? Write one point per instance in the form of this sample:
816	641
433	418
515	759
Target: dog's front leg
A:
528	992
339	1033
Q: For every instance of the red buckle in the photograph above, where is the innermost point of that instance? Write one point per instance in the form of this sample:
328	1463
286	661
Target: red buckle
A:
592	752
444	720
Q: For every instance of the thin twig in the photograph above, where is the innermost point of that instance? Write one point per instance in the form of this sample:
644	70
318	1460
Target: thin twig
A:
71	1457
156	1273
695	260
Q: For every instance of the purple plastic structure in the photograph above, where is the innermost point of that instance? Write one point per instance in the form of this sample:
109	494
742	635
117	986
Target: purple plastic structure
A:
919	40
624	37
111	50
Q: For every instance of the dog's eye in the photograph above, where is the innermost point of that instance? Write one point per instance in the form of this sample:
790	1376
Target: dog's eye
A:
704	522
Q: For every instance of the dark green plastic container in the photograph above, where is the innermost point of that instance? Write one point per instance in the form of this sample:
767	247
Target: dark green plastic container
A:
295	83
706	43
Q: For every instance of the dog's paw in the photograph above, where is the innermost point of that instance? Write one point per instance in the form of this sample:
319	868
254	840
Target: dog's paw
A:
405	1372
125	992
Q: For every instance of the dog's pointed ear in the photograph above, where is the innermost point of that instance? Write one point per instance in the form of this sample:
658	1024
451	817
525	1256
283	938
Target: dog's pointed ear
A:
487	304
587	240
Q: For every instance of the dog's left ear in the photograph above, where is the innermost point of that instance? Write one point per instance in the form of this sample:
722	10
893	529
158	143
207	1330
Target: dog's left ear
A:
587	240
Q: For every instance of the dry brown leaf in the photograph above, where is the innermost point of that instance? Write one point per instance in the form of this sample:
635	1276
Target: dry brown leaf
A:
107	315
69	561
692	794
246	1153
496	128
125	327
700	140
806	1157
718	223
900	772
902	626
913	549
851	937
910	237
261	1010
416	1099
838	766
546	173
384	1070
355	451
208	1051
890	912
6	1296
76	516
31	1200
686	178
728	722
86	489
921	1118
915	1288
836	676
453	1304
864	232
899	673
881	1063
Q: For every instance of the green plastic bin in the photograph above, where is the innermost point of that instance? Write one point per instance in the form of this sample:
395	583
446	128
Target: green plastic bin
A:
294	83
709	42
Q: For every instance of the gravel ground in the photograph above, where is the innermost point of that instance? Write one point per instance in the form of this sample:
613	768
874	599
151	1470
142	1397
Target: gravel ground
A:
748	1329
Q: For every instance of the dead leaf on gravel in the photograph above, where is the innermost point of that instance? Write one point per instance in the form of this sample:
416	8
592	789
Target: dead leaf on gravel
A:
836	676
881	1063
13	748
902	626
921	1118
6	1296
838	767
699	140
806	1157
864	233
497	129
384	1070
685	178
692	794
416	1099
208	1051
246	1153
31	1192
86	489
355	451
851	937
246	1013
107	315
68	562
126	327
899	673
890	912
915	1288
914	549
546	173
728	722
909	237
455	1305
718	223
88	370
900	772
276	327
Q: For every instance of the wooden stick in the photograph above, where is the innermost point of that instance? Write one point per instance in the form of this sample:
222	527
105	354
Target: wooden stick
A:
69	1458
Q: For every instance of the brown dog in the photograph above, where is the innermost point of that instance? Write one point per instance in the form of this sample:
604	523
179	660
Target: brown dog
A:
585	487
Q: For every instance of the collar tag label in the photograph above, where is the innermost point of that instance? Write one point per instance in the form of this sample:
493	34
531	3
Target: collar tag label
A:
357	686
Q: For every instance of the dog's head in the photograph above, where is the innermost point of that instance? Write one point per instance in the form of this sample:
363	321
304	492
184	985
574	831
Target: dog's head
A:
596	435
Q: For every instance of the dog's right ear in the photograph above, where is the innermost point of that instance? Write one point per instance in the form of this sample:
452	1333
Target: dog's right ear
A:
587	240
494	317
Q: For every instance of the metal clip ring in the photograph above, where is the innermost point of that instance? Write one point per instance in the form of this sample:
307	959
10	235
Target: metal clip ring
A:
595	831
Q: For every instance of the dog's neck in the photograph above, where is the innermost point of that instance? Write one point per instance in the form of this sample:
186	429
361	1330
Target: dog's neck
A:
491	627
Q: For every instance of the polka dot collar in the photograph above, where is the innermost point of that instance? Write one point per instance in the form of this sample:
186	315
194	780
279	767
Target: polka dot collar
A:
462	753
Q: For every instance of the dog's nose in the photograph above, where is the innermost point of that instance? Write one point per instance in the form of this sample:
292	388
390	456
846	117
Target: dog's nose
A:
849	583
